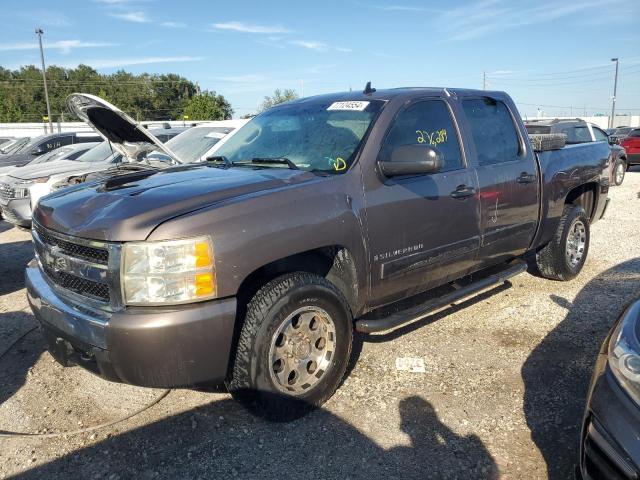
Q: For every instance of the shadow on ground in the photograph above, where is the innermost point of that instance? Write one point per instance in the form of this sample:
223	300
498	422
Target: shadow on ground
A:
557	373
222	440
16	360
14	257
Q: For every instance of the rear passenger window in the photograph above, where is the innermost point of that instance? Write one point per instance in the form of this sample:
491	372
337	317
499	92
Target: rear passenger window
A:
493	130
427	123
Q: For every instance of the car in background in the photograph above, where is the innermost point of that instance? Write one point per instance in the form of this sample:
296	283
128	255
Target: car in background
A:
578	131
44	144
13	145
631	144
22	187
199	142
609	447
4	140
619	133
70	152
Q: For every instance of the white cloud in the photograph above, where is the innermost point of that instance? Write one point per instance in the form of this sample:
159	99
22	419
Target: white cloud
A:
135	17
63	46
124	62
319	46
484	17
173	24
250	28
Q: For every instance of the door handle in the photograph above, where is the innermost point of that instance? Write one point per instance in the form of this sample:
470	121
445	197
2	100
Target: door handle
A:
462	191
526	178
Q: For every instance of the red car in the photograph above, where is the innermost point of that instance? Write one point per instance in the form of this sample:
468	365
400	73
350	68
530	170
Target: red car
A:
631	143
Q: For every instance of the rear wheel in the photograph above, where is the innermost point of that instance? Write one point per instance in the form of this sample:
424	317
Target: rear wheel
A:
564	256
618	173
294	346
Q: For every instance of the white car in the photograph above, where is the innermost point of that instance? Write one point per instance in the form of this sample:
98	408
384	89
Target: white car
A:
200	142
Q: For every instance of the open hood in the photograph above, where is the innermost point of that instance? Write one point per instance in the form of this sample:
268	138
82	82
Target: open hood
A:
126	135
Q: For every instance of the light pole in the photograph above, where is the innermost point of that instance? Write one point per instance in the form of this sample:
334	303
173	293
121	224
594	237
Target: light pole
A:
39	32
615	88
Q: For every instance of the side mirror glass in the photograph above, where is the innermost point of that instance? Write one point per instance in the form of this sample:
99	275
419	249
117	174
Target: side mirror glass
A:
413	159
37	151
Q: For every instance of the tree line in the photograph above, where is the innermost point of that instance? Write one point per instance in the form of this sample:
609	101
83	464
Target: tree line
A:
144	97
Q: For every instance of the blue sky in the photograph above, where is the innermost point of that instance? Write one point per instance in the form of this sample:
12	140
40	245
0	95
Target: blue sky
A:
548	54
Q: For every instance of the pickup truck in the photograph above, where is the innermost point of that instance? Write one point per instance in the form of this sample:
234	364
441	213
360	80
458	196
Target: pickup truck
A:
319	217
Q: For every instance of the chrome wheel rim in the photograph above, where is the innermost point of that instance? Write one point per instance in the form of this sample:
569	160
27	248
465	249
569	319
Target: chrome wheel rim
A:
576	243
619	173
301	350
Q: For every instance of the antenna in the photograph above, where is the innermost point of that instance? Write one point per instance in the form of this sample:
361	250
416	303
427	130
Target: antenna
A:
368	90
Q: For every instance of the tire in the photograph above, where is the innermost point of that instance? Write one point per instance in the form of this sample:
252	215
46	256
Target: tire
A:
278	335
618	172
558	260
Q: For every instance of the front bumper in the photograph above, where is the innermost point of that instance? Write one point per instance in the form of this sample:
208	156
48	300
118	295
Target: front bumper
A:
18	212
610	448
151	347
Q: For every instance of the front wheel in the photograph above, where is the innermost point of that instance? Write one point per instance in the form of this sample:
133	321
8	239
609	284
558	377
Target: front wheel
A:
618	174
294	346
564	256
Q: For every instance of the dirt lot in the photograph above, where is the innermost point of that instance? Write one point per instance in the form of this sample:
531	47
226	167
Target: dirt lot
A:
502	395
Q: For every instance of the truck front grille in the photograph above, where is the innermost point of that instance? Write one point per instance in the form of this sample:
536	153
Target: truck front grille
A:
84	252
74	264
81	286
6	192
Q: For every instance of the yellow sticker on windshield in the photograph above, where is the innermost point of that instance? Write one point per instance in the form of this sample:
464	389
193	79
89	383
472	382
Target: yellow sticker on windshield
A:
432	138
339	164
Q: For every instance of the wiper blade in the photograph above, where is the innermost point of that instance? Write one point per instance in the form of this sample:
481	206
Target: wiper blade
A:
282	160
219	158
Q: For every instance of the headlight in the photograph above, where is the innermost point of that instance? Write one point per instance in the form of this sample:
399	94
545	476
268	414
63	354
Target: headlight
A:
168	272
624	351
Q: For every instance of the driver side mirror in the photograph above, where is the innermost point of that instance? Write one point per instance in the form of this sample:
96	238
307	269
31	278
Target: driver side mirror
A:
37	151
415	159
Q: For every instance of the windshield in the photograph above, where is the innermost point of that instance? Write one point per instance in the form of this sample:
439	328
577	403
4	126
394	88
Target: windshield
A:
15	145
51	156
316	135
191	144
99	153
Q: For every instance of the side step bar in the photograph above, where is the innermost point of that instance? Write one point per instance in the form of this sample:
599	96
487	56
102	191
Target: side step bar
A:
413	314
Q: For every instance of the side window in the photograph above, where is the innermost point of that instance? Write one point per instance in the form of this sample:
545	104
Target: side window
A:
493	130
600	135
582	135
427	122
55	142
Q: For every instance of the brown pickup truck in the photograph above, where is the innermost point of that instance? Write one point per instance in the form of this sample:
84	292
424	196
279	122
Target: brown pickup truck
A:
315	219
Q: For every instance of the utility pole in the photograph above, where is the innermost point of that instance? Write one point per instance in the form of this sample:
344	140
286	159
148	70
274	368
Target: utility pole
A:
615	89
484	80
39	32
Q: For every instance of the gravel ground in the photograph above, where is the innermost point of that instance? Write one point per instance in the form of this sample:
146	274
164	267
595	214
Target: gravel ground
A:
502	395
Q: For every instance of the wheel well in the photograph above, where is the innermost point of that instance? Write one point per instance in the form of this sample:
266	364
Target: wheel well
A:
584	196
334	263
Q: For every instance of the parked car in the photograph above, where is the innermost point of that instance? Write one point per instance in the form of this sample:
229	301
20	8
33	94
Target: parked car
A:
44	144
620	133
611	427
631	143
198	142
22	187
5	140
12	146
253	268
579	131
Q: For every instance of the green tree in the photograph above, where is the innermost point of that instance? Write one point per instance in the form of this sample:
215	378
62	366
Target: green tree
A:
208	106
279	96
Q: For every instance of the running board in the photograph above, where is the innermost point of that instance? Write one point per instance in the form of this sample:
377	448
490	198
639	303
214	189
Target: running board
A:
413	314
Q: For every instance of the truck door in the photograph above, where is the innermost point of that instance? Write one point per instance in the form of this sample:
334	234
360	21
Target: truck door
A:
507	179
423	229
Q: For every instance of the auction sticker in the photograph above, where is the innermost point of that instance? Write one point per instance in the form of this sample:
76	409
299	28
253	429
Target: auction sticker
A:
353	106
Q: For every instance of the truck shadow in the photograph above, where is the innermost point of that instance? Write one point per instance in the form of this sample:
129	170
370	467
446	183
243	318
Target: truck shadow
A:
557	373
16	361
14	257
221	440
